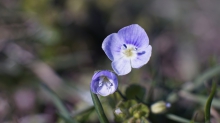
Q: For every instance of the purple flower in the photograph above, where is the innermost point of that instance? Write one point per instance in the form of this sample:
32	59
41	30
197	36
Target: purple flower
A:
104	83
129	48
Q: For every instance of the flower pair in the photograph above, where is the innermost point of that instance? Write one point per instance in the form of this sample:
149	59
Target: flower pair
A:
127	49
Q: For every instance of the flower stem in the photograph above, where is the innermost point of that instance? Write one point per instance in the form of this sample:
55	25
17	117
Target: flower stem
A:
209	103
98	107
122	96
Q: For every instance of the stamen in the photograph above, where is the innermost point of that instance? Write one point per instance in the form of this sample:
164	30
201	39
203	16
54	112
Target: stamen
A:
136	48
125	46
104	80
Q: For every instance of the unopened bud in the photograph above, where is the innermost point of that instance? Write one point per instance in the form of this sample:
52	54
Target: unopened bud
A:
160	107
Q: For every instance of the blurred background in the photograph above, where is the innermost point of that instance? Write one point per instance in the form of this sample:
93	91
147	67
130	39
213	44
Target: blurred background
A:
58	42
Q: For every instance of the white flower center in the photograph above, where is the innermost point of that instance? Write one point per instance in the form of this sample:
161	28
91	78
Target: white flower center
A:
129	51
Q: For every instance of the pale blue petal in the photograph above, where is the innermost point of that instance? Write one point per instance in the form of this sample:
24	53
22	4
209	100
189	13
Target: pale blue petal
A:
112	46
143	57
121	66
134	34
105	90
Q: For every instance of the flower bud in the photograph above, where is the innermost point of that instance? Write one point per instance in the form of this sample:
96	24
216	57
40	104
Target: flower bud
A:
199	116
160	107
104	83
121	112
139	110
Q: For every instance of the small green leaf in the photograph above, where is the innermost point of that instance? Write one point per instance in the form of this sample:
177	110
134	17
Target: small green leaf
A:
98	108
209	103
135	91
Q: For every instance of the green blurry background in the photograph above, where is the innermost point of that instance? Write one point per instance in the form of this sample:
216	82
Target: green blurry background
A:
58	42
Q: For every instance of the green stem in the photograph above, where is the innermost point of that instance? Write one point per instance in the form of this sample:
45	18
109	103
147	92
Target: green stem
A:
99	109
178	119
122	96
209	103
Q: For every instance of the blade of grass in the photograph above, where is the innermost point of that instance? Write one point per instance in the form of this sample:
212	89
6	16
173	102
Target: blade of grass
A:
58	103
209	103
198	98
177	118
99	109
206	75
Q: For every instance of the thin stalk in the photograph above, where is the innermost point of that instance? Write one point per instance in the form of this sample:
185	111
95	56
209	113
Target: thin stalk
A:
179	119
209	103
98	107
122	96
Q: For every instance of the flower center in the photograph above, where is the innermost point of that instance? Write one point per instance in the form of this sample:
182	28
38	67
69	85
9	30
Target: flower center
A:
105	81
129	51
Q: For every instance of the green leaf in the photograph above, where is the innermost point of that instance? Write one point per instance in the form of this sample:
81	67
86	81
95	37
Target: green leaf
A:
209	103
135	91
98	108
63	112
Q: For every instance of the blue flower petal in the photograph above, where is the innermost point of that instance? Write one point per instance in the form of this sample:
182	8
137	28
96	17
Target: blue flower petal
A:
102	86
134	34
121	66
129	48
107	88
112	46
143	57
